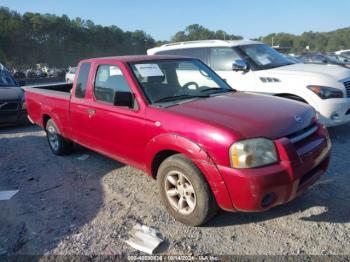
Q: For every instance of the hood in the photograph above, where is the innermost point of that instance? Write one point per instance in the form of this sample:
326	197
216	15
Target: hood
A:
249	115
10	93
334	71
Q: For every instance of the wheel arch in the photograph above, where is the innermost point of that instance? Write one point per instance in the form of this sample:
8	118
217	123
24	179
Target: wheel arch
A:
45	118
166	145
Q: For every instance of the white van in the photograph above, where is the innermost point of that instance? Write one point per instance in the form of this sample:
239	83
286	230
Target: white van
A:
255	67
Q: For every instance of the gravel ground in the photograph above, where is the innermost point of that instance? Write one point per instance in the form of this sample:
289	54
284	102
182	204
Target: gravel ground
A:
66	205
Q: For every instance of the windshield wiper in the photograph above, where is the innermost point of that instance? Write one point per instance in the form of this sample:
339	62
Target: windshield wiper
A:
218	90
174	98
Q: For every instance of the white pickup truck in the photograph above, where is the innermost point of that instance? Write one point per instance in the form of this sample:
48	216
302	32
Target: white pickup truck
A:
255	67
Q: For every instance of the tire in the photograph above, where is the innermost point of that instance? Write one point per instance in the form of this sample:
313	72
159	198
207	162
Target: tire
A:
200	204
58	144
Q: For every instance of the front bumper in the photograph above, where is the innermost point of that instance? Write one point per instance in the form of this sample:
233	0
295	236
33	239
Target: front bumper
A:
334	112
259	189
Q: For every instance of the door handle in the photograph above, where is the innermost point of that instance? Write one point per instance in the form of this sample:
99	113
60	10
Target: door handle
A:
91	112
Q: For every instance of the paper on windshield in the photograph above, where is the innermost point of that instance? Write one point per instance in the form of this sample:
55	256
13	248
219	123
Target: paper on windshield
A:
115	71
147	70
263	60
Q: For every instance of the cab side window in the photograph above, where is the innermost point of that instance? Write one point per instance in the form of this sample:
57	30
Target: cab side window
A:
221	58
109	80
82	80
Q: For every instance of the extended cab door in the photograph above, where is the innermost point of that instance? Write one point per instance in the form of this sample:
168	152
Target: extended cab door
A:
117	131
80	107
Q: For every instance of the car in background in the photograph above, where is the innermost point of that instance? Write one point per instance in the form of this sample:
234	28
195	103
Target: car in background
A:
18	74
12	99
323	59
71	74
255	67
340	58
293	59
345	53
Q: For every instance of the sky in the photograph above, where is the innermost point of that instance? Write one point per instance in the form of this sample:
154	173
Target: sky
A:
162	19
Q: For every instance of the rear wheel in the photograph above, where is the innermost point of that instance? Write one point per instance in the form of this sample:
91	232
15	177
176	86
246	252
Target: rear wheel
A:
184	191
58	144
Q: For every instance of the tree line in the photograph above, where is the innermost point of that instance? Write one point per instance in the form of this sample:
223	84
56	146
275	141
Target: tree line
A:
32	38
311	41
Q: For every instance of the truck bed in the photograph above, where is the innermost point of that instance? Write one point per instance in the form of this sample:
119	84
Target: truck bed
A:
50	99
55	87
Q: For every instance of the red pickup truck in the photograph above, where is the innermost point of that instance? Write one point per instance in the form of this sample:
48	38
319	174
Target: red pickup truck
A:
207	145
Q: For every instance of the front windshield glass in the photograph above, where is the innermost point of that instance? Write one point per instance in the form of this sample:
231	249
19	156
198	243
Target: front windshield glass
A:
264	57
177	79
346	54
333	59
6	79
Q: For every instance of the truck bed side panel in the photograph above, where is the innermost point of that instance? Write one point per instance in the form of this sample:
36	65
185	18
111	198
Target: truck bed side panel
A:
54	104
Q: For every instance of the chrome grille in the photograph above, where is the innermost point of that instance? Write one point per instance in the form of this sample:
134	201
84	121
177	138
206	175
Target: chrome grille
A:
8	106
347	87
303	134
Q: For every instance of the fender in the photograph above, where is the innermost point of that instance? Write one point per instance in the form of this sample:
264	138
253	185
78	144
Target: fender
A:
309	100
198	155
49	112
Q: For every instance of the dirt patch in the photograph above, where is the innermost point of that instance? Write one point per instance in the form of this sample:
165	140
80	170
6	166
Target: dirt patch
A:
66	205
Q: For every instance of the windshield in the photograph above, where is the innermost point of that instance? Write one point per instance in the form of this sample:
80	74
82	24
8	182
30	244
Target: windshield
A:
332	59
6	79
264	57
177	79
346	54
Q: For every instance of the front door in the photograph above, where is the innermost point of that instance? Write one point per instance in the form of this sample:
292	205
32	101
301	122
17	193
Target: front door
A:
118	131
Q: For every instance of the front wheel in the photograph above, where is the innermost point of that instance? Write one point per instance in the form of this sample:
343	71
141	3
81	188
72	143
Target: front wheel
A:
58	144
184	191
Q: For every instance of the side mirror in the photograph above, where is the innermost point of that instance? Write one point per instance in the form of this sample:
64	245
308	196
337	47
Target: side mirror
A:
124	99
240	65
22	83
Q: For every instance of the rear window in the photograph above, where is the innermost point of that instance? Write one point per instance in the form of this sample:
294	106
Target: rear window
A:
82	80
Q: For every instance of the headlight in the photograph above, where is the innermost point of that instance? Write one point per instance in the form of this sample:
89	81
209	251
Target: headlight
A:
253	153
326	92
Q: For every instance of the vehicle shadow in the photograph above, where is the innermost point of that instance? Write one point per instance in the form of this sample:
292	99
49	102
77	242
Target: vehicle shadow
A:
330	195
57	195
340	134
16	128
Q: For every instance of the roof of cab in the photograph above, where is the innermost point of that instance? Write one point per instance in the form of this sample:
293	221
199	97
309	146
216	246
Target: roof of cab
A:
134	58
201	43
